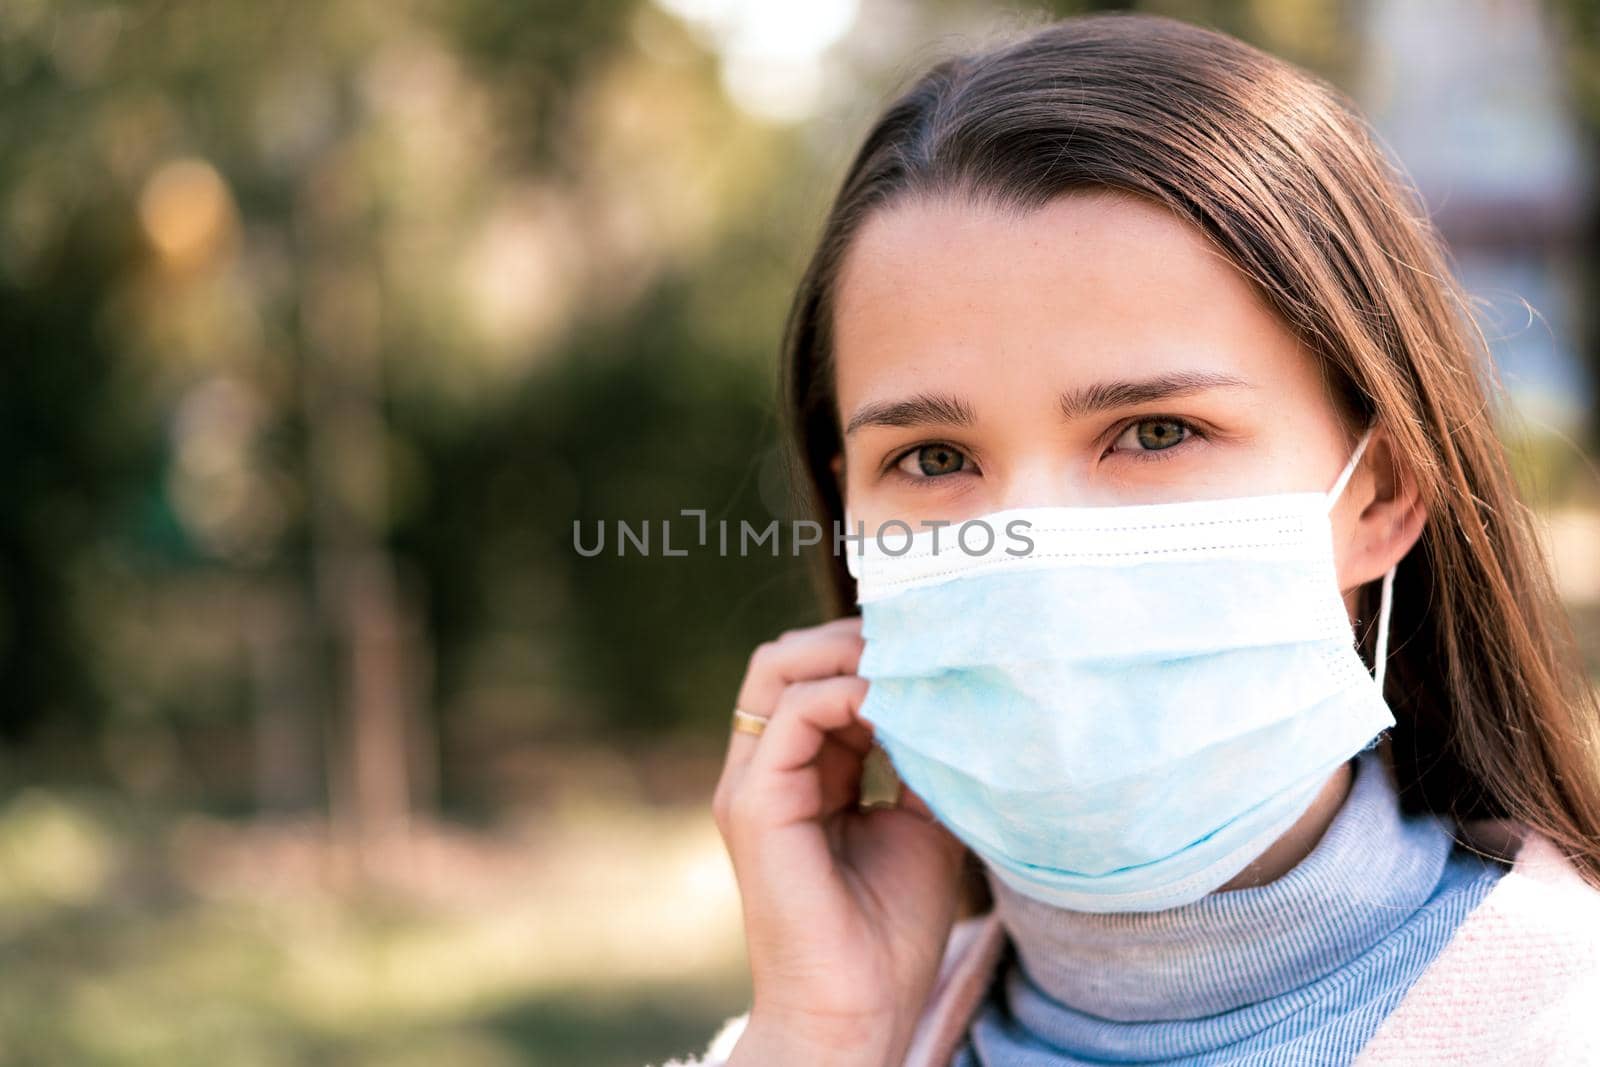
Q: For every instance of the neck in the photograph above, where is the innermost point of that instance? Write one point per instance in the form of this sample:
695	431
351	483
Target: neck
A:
1295	845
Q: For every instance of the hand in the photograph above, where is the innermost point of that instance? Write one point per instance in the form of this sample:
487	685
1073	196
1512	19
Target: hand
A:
846	912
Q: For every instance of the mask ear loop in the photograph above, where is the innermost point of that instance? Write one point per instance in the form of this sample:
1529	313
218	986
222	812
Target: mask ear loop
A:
1380	653
1349	469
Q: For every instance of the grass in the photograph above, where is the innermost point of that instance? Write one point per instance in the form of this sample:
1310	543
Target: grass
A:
132	936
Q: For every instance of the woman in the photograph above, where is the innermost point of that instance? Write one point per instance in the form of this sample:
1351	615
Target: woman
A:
1139	282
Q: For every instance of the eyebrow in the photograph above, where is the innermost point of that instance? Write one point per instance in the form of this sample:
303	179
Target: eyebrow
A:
918	410
1076	403
944	409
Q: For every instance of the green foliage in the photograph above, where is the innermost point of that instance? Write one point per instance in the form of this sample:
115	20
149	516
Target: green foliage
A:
287	285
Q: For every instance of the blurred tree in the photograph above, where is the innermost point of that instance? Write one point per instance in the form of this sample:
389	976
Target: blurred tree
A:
295	300
1578	31
322	324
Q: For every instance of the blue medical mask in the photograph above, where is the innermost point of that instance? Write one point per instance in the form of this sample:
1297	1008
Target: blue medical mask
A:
1125	716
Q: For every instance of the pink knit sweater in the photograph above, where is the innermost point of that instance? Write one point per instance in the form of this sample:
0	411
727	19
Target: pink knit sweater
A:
1519	982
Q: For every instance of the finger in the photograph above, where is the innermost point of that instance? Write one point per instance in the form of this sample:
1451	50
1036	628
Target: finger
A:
806	714
819	652
839	728
841	770
792	777
843	624
909	801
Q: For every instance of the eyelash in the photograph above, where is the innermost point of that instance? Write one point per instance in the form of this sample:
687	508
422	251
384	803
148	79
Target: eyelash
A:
1142	455
893	466
1158	455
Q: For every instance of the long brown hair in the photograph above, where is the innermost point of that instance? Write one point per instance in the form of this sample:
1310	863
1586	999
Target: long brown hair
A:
1495	717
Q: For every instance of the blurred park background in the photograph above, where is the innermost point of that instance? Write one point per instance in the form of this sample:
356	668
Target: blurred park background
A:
322	323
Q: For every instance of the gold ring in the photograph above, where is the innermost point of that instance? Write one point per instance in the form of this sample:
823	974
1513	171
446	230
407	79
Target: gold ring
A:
747	723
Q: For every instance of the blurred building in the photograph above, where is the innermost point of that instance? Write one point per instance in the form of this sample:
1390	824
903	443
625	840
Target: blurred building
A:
1469	95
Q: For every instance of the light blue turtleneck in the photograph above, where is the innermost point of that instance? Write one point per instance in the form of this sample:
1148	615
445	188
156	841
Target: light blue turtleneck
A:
1301	970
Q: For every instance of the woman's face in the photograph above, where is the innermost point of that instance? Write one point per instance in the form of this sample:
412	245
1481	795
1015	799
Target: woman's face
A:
1096	352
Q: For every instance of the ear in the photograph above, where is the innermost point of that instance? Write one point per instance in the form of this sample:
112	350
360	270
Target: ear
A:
1383	515
836	464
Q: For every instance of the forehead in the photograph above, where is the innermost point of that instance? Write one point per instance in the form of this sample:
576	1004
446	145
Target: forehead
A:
1086	284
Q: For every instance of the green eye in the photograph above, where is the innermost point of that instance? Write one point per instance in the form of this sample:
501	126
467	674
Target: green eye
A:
1155	434
935	460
